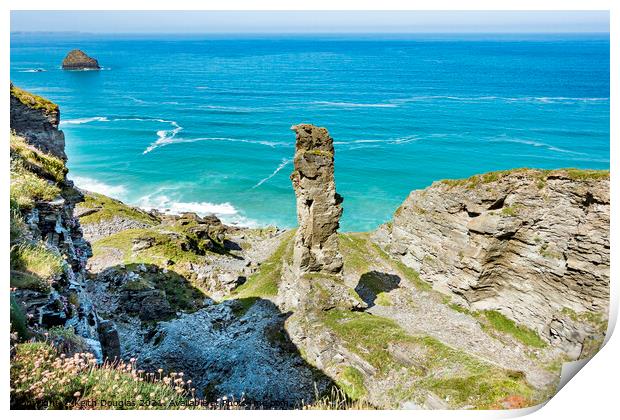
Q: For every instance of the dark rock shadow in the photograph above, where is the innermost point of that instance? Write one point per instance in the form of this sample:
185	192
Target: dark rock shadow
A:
239	347
373	283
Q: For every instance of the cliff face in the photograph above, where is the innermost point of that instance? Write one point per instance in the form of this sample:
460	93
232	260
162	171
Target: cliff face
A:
533	245
36	120
48	251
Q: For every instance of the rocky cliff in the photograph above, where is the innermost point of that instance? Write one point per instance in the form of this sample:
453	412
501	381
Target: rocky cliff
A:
48	251
533	245
78	60
36	120
471	298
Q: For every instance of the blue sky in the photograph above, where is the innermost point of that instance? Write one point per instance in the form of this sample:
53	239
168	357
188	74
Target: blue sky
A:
309	21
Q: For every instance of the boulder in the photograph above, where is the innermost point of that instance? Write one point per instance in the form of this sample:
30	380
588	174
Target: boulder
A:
78	60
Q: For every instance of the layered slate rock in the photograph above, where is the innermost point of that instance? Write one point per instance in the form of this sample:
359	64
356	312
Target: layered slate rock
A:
318	205
78	60
36	120
531	244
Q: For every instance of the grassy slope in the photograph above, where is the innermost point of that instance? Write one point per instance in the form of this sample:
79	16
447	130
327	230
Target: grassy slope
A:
108	209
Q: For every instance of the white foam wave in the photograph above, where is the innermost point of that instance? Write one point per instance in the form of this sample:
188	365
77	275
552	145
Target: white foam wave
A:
164	136
224	211
115	191
355	104
278	169
32	71
539	144
87	120
398	140
531	99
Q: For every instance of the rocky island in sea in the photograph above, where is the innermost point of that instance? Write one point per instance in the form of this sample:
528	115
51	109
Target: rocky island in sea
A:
79	60
471	297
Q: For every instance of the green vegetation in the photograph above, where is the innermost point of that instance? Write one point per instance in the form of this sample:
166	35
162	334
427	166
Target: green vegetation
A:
586	175
351	381
510	211
539	175
66	341
34	266
33	101
18	320
451	374
318	152
27	188
264	283
383	299
525	335
180	293
37	161
43	379
367	335
108	208
166	247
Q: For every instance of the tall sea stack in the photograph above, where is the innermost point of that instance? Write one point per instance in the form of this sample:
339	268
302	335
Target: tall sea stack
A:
318	205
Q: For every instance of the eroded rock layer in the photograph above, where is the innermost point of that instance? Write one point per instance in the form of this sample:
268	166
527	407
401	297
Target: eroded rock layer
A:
533	245
318	205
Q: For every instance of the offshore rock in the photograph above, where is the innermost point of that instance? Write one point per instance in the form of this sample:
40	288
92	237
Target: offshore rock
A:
318	205
78	60
36	120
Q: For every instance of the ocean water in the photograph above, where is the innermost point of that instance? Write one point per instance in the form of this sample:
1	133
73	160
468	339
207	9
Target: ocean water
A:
202	123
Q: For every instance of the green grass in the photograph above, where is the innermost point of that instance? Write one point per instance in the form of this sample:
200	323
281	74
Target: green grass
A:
368	335
264	283
354	250
28	188
587	175
33	265
351	381
383	299
43	379
34	159
181	294
33	101
451	374
110	208
18	320
525	335
510	211
165	247
538	175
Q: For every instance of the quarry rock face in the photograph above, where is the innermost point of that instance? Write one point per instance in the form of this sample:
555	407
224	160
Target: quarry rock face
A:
533	245
36	120
78	60
318	205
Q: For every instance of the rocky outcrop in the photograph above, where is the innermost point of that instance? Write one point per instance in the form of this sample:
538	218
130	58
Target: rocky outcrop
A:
318	205
533	245
36	120
78	60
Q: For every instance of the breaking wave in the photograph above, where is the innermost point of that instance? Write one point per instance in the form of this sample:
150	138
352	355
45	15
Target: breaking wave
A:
89	184
278	169
226	212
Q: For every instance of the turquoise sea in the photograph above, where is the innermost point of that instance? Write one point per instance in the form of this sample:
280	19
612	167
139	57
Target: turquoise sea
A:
202	123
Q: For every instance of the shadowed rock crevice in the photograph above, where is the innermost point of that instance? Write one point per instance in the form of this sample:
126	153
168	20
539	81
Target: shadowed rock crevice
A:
236	347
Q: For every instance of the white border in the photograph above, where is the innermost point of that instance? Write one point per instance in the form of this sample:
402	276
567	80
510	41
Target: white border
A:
592	394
